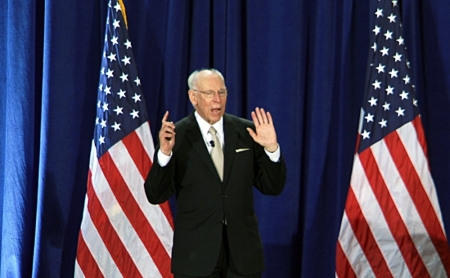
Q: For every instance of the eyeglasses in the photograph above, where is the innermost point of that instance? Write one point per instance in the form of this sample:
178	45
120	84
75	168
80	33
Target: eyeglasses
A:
211	93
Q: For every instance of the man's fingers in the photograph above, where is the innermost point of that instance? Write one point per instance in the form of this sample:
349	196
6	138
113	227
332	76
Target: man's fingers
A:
251	132
168	131
168	136
165	117
258	119
254	118
269	118
260	116
167	127
263	116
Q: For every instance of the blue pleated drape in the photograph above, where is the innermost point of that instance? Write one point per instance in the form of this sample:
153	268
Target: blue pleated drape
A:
19	127
304	61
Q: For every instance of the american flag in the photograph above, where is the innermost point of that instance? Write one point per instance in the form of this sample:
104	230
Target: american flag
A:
121	234
392	224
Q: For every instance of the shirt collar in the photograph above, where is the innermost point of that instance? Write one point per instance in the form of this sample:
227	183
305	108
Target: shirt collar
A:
204	125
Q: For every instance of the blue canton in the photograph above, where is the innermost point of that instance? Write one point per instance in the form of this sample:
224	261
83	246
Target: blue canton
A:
390	100
120	104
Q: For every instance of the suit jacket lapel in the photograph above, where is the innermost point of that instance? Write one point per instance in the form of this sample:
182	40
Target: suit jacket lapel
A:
231	137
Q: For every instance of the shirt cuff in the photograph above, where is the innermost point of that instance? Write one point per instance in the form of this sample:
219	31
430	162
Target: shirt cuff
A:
163	159
275	156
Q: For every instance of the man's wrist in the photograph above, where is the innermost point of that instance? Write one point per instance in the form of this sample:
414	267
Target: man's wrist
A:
166	152
163	159
272	148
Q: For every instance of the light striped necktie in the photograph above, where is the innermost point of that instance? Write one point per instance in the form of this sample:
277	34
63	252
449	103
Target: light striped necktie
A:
217	153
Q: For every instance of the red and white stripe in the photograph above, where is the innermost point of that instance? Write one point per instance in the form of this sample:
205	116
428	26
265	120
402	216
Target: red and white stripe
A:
122	234
392	224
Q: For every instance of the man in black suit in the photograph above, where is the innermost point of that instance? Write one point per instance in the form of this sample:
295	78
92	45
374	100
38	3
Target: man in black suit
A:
216	230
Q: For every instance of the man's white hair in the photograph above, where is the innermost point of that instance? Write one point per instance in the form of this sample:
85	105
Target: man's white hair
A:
192	80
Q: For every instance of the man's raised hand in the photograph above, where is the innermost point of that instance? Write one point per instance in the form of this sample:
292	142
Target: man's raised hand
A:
166	135
265	134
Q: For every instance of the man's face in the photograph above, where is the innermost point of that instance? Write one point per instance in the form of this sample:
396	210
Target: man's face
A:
211	109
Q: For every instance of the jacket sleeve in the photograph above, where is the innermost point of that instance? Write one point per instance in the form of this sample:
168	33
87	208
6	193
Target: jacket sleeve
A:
160	184
270	176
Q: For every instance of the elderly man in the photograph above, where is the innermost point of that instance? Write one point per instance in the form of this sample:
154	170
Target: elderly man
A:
211	160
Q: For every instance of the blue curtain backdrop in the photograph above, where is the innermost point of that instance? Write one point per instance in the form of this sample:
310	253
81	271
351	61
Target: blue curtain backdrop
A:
304	61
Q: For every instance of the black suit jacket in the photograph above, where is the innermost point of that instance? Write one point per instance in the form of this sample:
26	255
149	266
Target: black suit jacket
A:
204	201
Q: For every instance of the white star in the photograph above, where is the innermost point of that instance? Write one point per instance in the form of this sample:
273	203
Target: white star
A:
136	97
373	101
376	30
383	123
109	73
121	93
127	44
118	110
415	102
366	134
124	77
384	51
103	124
400	112
116	126
406	79
100	87
393	73
108	90
374	46
137	81
97	121
126	60
379	13
105	106
117	7
99	104
376	84
404	95
369	117
102	71
114	40
116	23
380	68
390	90
135	114
400	40
386	106
394	3
398	57
392	18
388	35
101	139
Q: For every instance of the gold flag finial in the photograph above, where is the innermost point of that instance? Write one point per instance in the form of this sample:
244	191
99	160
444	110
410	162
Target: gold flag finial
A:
124	14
